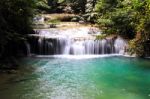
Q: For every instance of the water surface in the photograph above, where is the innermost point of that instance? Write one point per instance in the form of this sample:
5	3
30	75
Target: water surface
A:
63	78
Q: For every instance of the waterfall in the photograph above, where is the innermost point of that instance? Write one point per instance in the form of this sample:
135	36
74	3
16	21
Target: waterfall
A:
28	49
81	41
120	45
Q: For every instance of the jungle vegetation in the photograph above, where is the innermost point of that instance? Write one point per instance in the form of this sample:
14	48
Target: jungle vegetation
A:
128	18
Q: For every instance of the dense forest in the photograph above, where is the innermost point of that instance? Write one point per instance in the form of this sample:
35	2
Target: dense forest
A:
128	18
15	23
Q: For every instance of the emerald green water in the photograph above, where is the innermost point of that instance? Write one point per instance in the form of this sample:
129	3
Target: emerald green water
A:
97	78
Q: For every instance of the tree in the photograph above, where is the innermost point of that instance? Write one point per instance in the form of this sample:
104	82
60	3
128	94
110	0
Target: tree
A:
42	5
129	18
16	19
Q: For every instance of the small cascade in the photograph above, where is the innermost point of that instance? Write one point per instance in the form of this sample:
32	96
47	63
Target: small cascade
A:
120	45
28	49
81	41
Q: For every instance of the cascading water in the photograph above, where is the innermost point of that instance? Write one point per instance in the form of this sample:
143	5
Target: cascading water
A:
28	48
76	41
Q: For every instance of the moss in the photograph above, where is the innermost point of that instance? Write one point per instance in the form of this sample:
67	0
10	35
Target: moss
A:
55	21
136	47
101	36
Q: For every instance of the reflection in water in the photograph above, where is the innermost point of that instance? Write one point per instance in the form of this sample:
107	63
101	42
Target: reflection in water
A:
96	78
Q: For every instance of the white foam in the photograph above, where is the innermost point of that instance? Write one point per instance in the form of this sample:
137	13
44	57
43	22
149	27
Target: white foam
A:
77	56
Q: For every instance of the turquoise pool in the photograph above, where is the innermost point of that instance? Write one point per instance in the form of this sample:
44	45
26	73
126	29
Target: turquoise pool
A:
94	78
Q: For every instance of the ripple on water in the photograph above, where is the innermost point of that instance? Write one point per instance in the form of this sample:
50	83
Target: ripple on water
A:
94	78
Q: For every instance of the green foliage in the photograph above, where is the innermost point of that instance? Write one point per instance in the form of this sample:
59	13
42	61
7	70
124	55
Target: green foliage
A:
79	6
126	18
55	21
90	17
43	5
101	36
60	6
136	47
116	16
15	21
